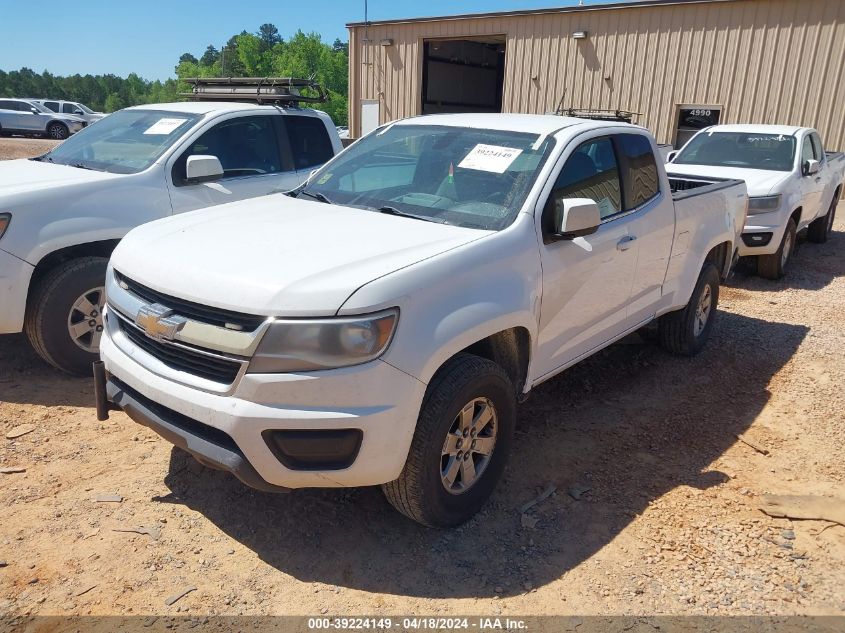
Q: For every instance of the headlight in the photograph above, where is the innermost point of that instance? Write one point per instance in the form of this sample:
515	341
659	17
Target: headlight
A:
763	204
308	344
5	218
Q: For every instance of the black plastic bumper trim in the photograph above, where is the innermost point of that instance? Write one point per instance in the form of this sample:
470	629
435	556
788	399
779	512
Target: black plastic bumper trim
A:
209	445
756	239
314	449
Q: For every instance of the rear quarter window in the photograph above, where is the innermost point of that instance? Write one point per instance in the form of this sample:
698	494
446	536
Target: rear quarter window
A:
309	141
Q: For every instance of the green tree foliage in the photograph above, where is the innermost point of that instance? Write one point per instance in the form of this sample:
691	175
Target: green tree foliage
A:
100	92
260	54
264	54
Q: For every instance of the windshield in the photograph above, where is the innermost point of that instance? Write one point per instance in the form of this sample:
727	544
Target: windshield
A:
467	177
739	149
125	142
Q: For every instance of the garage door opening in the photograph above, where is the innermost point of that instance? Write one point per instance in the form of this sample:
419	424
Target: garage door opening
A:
463	75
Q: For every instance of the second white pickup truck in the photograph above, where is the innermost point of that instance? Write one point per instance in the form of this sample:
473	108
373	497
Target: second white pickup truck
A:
379	324
61	214
792	182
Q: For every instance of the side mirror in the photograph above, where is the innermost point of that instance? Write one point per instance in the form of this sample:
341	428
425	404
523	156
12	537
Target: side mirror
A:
79	112
811	167
201	168
671	156
34	110
574	217
313	171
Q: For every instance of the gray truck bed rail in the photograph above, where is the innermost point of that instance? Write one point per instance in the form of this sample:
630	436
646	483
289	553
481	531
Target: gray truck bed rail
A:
684	187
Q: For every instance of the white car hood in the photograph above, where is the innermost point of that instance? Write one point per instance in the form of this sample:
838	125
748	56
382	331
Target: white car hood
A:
24	175
760	182
277	255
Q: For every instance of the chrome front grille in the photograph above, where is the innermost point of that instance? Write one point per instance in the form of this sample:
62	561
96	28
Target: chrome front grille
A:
181	357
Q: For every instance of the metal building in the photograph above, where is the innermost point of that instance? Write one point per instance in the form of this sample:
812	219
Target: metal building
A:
680	64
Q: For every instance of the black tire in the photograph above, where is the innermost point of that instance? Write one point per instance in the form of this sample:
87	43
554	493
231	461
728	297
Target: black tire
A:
57	131
820	228
49	313
420	492
774	266
681	332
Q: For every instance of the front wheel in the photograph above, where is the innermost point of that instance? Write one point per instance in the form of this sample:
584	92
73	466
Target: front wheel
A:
64	314
774	266
460	445
686	331
57	131
820	228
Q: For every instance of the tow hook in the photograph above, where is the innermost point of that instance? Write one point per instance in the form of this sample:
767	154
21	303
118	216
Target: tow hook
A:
101	400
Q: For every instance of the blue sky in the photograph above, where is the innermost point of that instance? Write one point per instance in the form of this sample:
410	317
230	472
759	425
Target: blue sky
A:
147	37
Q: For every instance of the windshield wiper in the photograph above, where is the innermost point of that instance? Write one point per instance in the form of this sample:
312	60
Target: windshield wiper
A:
388	210
316	195
81	166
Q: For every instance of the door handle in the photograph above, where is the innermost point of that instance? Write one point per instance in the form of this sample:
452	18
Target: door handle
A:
625	243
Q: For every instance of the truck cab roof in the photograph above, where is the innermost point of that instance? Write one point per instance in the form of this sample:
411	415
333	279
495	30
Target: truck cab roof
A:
218	107
528	123
748	128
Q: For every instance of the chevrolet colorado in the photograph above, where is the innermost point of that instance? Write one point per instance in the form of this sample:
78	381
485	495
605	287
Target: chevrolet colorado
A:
378	324
62	213
792	182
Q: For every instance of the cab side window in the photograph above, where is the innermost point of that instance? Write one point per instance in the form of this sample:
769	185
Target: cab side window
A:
807	152
592	171
52	105
818	150
640	170
310	144
68	108
246	146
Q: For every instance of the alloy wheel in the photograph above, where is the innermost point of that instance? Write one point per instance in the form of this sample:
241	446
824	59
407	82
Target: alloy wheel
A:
469	445
85	320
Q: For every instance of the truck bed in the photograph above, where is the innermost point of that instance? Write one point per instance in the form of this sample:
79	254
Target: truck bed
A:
684	187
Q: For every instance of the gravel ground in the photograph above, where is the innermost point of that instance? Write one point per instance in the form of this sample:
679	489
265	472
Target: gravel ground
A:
654	510
19	147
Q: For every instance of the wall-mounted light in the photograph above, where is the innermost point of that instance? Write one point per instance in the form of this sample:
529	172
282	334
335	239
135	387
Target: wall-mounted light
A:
579	35
387	42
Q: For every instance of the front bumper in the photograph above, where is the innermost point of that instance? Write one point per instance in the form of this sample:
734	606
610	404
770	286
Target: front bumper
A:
763	233
14	284
375	398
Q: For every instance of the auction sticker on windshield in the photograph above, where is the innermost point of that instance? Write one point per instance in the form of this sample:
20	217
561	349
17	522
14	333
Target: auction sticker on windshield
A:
164	126
490	158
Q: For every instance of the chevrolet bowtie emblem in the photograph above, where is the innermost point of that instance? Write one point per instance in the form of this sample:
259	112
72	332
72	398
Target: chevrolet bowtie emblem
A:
159	322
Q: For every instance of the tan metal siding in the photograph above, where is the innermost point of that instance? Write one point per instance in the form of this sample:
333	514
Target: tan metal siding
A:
766	61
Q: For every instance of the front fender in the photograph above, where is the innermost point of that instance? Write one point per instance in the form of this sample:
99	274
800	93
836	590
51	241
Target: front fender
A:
458	298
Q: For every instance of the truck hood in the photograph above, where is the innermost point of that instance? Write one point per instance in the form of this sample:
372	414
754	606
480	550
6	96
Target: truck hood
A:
24	175
278	256
760	182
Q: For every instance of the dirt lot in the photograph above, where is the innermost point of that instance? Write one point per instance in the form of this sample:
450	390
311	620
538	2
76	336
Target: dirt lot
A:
19	147
655	509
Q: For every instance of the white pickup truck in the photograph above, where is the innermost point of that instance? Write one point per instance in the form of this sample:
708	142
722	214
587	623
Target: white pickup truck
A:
792	182
379	324
61	214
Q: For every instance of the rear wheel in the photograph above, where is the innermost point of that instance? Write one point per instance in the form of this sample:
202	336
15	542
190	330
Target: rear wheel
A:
686	331
57	131
774	266
64	314
820	228
460	445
